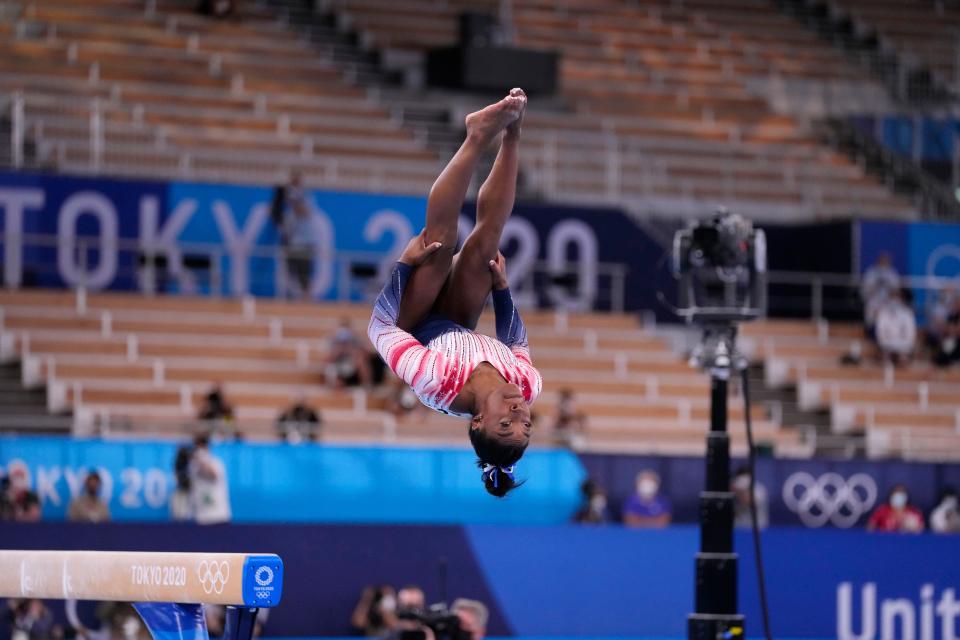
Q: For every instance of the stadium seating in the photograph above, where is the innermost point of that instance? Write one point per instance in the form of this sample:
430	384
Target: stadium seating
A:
176	94
912	412
665	108
141	364
666	113
924	31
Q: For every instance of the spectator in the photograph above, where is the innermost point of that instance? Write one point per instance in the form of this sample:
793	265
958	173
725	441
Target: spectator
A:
209	494
348	361
945	517
740	485
88	507
949	346
402	401
647	508
896	330
293	217
896	514
473	616
593	510
215	406
180	507
6	502
300	421
21	503
375	613
570	423
938	312
216	618
30	620
878	282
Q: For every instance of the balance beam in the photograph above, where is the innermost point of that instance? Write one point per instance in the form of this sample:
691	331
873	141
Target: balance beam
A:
237	579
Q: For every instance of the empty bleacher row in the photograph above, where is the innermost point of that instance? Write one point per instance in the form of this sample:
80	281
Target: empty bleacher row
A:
923	32
911	412
669	107
141	366
126	87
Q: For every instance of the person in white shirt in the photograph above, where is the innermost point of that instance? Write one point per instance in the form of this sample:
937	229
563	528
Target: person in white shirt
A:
896	330
879	282
208	484
945	517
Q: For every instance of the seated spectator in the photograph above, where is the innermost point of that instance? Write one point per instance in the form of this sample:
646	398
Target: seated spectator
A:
938	311
215	406
948	351
593	510
21	504
945	517
348	362
88	507
570	423
740	485
375	613
473	616
647	508
896	330
878	282
299	422
896	515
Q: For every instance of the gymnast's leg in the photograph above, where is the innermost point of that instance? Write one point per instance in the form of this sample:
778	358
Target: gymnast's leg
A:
470	281
443	209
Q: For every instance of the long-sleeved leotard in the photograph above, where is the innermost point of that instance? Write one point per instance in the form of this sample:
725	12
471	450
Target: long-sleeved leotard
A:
438	370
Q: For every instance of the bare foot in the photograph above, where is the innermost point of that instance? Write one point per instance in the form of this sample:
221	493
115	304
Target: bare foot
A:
513	129
489	121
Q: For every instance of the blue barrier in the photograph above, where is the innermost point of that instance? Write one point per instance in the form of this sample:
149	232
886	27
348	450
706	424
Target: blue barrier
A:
568	581
310	483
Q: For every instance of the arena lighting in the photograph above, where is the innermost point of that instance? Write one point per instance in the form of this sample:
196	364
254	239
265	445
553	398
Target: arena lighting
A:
721	266
168	589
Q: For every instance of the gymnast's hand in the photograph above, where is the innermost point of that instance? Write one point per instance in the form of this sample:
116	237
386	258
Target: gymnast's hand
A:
498	269
417	252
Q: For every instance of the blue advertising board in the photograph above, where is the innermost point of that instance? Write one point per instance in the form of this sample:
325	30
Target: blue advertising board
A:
309	483
196	230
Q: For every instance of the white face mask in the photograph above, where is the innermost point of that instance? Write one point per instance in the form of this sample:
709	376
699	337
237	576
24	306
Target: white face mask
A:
647	488
388	603
598	503
898	500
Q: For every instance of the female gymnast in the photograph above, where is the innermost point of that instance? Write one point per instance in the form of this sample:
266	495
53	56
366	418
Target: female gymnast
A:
424	321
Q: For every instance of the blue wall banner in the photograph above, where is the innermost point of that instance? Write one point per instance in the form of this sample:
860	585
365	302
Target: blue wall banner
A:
308	483
568	581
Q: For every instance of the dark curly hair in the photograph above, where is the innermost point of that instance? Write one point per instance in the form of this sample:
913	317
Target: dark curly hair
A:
491	450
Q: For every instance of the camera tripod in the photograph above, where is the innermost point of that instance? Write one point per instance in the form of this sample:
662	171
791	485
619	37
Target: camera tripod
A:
715	615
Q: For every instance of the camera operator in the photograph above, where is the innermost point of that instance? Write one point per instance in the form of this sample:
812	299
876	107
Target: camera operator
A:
473	616
376	613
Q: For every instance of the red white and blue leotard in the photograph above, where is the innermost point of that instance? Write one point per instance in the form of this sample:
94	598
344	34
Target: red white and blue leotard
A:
436	360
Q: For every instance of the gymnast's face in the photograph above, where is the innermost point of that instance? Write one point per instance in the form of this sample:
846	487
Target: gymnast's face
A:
506	416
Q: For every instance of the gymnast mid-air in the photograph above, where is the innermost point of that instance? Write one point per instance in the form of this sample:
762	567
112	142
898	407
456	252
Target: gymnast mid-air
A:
424	320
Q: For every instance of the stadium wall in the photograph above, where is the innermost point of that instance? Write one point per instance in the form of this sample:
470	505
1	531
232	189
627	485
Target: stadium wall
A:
573	581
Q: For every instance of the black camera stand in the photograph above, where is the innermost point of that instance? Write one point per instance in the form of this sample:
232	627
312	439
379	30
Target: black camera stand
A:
716	614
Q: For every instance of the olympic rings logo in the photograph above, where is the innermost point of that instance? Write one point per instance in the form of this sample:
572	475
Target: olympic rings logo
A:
213	575
829	498
263	576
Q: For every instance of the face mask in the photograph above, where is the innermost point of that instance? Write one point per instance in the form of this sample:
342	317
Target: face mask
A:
950	502
647	488
389	603
741	483
598	503
898	500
